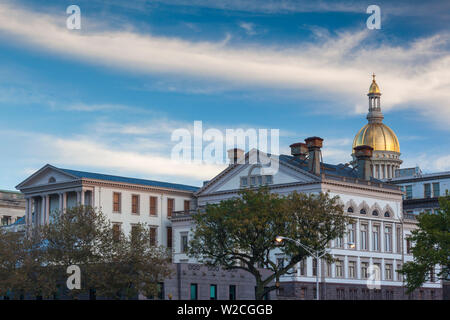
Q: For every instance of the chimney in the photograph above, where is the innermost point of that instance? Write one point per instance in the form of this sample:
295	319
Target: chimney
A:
234	155
299	150
314	144
363	155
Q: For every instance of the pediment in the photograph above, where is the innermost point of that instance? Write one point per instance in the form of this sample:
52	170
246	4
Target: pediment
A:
45	176
230	178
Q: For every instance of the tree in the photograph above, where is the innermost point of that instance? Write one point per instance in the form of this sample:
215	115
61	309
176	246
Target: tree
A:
431	246
239	233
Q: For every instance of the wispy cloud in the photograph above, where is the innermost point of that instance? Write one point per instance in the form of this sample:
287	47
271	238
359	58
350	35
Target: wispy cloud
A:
413	77
248	27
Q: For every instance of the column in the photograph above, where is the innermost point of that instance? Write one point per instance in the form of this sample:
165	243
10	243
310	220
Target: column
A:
64	199
82	197
358	267
382	247
78	197
394	238
369	236
345	267
61	202
27	211
42	211
357	236
47	208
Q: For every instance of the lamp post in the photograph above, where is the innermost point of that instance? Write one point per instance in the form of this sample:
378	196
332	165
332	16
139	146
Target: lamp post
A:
316	254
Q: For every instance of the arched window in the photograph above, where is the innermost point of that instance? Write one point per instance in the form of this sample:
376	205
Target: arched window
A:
386	214
374	212
350	210
51	180
362	211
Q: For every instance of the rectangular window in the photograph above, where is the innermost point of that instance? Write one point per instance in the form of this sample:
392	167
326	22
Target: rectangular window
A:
328	269
161	290
260	180
232	292
117	202
170	207
184	242
364	270
427	190
303	267
340	293
244	182
303	293
339	242
432	277
252	181
388	271
169	237
351	269
314	267
339	271
135	204
134	232
187	206
399	275
375	238
194	291
213	292
408	246
399	240
153	206
363	236
269	179
351	235
388	239
436	189
409	194
153	236
116	231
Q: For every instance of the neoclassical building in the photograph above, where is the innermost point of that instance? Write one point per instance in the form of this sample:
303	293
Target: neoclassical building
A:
386	148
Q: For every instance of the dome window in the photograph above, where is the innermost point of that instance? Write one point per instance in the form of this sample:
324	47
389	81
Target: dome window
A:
386	214
51	180
362	211
374	212
350	210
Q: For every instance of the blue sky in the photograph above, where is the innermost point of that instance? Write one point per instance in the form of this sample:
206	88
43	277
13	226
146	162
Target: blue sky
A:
106	98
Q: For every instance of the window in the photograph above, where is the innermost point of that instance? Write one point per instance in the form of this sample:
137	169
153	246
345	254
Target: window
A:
352	269
269	179
51	180
365	294
353	294
375	213
389	294
134	232
280	263
6	220
388	238
187	205
408	192
153	206
184	242
376	238
339	271
427	190
340	294
339	243
170	207
399	275
244	182
194	291
432	277
135	204
116	231
362	211
232	292
169	237
351	234
408	246
303	267
260	180
350	210
387	214
153	236
302	293
436	189
117	202
388	271
364	270
213	292
161	290
314	267
363	236
252	181
398	236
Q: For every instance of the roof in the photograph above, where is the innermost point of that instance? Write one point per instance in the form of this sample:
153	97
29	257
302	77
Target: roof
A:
329	169
107	177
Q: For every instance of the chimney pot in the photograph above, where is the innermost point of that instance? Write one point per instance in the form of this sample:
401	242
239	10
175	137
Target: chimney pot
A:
314	144
299	150
363	156
235	154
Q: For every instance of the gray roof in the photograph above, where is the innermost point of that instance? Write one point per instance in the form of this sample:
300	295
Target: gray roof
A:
107	177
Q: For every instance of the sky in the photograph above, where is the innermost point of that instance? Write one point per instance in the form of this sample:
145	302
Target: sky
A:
107	98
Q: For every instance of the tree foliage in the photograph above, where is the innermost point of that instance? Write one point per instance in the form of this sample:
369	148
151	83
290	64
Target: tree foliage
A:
431	246
239	233
116	266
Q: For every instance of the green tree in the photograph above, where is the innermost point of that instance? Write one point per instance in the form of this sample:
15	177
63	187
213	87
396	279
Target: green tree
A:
240	233
431	246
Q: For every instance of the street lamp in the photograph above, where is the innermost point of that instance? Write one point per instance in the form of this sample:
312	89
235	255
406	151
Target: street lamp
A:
316	254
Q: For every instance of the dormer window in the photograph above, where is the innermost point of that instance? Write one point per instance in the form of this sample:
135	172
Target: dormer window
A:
244	182
350	210
51	180
362	211
374	212
386	214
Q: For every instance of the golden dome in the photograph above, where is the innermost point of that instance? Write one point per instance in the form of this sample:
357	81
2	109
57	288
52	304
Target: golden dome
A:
379	136
374	86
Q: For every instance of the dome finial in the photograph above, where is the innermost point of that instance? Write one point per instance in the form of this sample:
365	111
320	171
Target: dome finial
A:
373	76
374	86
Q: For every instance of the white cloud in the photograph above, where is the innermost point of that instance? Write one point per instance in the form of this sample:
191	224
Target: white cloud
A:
414	77
248	27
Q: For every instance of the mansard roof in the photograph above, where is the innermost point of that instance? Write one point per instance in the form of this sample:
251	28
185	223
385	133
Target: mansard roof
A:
107	177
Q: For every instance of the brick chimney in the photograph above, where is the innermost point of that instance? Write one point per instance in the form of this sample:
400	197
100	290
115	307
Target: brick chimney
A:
299	150
235	154
314	144
363	155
